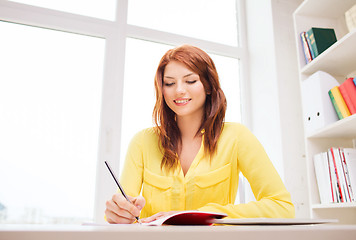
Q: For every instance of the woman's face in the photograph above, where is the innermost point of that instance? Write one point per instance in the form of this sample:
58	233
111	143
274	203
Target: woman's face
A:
183	91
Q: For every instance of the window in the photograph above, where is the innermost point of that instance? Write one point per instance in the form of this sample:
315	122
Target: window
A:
50	100
104	9
211	20
229	71
139	92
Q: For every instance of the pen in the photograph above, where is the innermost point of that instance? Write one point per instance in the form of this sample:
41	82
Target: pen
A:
119	185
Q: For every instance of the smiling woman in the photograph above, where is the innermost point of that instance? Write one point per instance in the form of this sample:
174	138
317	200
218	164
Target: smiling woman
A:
206	110
191	159
133	121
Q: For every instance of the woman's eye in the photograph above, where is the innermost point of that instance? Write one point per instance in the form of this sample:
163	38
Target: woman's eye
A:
168	84
191	81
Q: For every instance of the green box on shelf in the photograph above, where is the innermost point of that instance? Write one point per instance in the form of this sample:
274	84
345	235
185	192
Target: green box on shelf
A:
321	39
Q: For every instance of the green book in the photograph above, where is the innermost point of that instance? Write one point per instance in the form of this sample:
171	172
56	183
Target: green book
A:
321	39
337	109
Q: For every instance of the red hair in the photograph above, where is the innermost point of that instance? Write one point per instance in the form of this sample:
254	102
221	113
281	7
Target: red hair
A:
167	129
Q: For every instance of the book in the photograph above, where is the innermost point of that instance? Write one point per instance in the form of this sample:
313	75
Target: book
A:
338	174
333	180
342	174
192	217
336	107
309	45
350	159
335	173
347	175
339	103
321	39
321	168
348	92
305	47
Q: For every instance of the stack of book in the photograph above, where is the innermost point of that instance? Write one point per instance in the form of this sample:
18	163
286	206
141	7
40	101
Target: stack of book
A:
335	172
315	41
343	98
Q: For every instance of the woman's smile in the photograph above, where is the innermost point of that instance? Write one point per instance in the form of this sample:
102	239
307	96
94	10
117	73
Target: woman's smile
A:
182	101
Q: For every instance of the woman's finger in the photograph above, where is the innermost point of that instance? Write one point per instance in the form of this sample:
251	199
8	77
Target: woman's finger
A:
112	218
118	210
139	202
158	216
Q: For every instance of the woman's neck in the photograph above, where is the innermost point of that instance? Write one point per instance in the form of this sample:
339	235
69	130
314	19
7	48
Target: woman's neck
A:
188	127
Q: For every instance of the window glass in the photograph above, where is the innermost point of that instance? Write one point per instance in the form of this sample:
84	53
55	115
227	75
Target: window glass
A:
228	70
104	9
50	100
142	58
211	20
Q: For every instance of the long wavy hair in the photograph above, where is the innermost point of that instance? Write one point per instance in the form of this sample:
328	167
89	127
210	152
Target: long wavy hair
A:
167	129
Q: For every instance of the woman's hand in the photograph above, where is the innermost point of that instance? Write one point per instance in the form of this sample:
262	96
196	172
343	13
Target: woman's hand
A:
157	216
119	210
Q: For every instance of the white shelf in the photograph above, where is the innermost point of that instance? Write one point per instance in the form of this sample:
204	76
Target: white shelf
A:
337	60
329	60
344	128
334	205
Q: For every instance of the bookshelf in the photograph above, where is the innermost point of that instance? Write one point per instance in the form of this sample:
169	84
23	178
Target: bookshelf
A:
339	61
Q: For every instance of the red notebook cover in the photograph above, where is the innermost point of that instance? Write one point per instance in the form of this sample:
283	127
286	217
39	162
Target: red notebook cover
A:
188	218
348	92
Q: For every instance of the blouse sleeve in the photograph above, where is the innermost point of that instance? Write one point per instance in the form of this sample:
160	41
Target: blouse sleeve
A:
132	173
272	198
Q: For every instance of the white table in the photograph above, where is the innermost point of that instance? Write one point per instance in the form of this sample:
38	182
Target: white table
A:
131	232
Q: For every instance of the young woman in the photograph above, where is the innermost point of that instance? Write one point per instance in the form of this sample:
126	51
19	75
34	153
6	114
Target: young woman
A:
192	159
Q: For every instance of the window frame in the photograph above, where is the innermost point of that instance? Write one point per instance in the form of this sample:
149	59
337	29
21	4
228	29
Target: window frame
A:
115	34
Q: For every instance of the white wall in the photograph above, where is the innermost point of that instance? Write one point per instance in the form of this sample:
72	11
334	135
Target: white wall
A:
275	95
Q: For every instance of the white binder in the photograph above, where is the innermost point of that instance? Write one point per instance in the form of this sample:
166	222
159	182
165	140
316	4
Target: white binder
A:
318	110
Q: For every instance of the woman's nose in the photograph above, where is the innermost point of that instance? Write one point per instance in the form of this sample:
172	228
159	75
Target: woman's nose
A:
180	88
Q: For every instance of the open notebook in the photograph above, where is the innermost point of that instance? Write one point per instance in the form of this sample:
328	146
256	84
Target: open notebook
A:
188	218
209	218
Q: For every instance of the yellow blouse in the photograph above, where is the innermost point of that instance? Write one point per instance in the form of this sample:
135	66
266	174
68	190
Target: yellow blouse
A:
209	185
